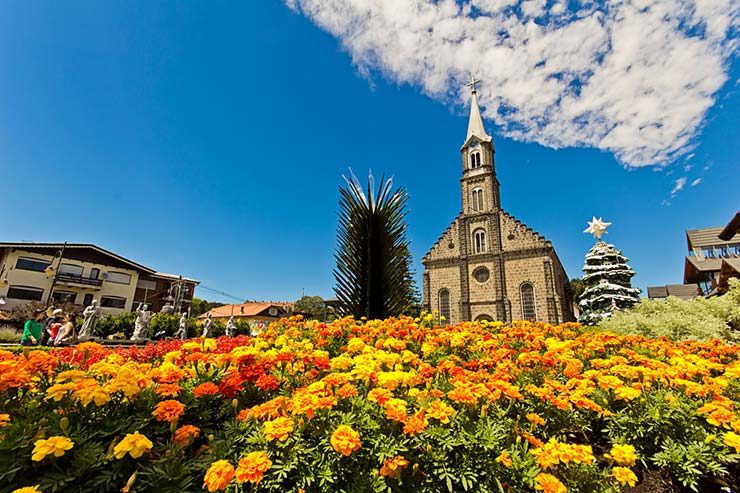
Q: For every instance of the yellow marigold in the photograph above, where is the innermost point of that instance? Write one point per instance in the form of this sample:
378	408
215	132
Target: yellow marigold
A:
219	475
535	419
392	468
253	467
4	419
27	489
169	410
135	444
185	434
624	476
58	391
504	458
624	455
345	440
55	445
278	429
626	393
731	439
90	391
548	483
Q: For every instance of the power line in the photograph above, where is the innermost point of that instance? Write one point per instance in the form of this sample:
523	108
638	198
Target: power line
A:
216	291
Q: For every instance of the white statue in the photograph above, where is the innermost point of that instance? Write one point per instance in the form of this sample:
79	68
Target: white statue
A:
182	332
91	314
230	327
207	326
141	327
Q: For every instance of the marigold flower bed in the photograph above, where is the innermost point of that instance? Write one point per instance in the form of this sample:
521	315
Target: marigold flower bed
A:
394	405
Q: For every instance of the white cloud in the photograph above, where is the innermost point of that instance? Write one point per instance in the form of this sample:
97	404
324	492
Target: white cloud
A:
696	182
635	78
678	186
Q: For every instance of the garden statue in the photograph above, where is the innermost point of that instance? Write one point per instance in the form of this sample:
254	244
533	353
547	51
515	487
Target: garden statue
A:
141	326
182	332
91	314
230	327
207	326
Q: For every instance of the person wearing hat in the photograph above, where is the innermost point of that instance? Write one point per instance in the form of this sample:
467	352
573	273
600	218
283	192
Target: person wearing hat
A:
49	332
32	329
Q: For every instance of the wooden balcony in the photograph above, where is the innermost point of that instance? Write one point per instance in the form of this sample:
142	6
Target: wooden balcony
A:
64	278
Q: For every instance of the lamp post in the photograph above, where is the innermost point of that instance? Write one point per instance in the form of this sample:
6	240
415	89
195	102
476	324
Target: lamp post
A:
49	270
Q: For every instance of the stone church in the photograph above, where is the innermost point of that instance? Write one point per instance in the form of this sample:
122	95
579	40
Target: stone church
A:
488	265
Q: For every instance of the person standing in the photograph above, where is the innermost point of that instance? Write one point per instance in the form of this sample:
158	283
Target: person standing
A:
32	329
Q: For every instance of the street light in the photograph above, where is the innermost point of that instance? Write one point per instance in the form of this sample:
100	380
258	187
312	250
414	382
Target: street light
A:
50	270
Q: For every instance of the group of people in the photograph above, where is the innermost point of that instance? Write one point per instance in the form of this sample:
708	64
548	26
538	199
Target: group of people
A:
48	329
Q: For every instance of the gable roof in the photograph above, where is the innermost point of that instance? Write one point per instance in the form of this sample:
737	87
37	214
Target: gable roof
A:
71	248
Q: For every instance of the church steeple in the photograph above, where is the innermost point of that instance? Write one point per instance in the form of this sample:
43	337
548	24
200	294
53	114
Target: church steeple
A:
475	122
480	188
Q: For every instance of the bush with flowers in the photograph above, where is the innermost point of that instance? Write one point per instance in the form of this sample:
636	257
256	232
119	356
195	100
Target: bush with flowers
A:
397	405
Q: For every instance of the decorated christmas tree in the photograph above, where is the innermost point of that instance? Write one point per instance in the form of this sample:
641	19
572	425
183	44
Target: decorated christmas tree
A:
606	278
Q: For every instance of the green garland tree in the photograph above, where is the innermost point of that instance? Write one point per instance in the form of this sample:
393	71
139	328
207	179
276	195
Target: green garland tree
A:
607	279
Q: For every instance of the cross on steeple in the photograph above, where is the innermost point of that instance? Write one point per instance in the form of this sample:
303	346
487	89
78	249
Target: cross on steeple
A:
472	83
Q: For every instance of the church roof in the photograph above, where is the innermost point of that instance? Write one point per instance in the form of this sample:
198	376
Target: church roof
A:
475	122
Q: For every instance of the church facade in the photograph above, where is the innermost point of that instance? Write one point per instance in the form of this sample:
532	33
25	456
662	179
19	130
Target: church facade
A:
488	265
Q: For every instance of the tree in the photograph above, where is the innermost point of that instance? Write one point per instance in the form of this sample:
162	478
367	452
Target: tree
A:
312	305
199	307
607	284
373	273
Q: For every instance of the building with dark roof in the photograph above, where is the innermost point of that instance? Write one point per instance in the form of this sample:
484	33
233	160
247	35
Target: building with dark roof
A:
713	258
77	273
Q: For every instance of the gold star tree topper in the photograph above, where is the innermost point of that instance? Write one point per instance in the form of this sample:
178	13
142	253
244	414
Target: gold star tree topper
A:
597	227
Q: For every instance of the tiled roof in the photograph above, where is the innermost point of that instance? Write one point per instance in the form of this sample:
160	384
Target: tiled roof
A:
698	238
248	309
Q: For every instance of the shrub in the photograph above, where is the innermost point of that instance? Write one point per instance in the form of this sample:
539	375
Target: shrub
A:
9	334
698	319
123	323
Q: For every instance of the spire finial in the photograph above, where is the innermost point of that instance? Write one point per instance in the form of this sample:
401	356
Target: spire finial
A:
472	83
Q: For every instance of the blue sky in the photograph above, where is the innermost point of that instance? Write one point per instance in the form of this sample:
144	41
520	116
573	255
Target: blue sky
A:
209	138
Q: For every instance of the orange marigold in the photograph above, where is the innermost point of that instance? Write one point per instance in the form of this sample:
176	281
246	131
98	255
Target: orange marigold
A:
441	411
535	419
169	411
392	468
345	440
624	476
185	435
253	467
504	458
218	476
548	483
278	429
415	423
168	389
206	388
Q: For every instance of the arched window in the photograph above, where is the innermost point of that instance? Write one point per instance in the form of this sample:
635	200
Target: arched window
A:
479	241
475	160
529	309
444	306
477	202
